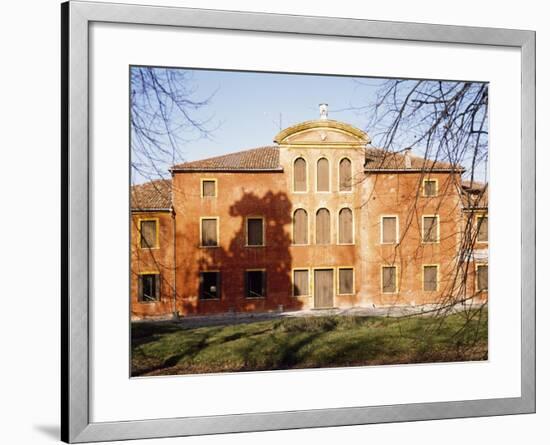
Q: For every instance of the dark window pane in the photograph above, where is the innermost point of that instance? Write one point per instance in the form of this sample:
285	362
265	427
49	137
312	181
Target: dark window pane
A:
482	277
300	175
149	287
209	285
301	282
255	232
389	229
430	278
430	187
389	279
345	175
345	226
148	231
322	175
430	229
345	281
209	232
300	227
483	229
255	284
322	227
208	188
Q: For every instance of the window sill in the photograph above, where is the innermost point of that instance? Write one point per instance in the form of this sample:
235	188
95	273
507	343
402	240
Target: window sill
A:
345	244
254	298
254	245
208	247
150	248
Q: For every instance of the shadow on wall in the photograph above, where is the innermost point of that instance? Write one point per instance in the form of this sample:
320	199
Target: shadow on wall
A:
234	259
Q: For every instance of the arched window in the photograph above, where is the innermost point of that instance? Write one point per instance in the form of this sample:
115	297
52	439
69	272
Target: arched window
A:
344	175
322	227
300	175
323	175
345	226
300	235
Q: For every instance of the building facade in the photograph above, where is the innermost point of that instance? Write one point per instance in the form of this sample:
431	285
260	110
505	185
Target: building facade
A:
320	219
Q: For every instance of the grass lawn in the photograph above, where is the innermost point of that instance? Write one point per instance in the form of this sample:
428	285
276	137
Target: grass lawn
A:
162	348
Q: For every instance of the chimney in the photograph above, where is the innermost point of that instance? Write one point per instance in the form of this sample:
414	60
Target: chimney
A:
407	157
323	111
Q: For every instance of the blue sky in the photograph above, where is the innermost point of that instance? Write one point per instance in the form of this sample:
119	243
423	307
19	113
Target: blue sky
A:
247	108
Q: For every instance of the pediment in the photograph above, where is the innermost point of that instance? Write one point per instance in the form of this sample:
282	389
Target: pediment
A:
323	131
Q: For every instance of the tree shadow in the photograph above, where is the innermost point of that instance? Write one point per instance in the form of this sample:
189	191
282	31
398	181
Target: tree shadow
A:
234	258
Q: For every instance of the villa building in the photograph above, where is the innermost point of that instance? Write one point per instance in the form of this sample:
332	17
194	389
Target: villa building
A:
320	219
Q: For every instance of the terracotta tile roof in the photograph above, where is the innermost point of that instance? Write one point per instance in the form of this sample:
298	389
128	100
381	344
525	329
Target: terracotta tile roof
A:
153	195
475	195
256	159
379	159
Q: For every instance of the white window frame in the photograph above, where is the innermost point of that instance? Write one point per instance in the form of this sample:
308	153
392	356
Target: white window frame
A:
293	174
217	218
338	280
331	234
203	180
317	174
436	277
263	231
338	175
396	279
309	282
307	226
397	231
352	226
438	237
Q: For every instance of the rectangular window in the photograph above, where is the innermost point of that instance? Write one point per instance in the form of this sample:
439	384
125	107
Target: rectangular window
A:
149	287
345	281
300	283
389	229
254	281
482	228
430	278
389	279
482	272
208	188
209	285
255	232
430	187
430	229
209	232
148	229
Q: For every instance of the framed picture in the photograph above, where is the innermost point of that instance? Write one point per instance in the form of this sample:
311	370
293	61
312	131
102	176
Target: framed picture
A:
276	222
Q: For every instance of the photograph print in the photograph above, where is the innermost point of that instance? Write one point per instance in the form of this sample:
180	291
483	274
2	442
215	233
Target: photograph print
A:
286	221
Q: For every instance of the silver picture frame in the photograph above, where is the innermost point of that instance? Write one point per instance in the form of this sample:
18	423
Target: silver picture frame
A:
75	397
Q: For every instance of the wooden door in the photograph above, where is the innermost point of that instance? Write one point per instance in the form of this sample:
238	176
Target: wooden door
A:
324	288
